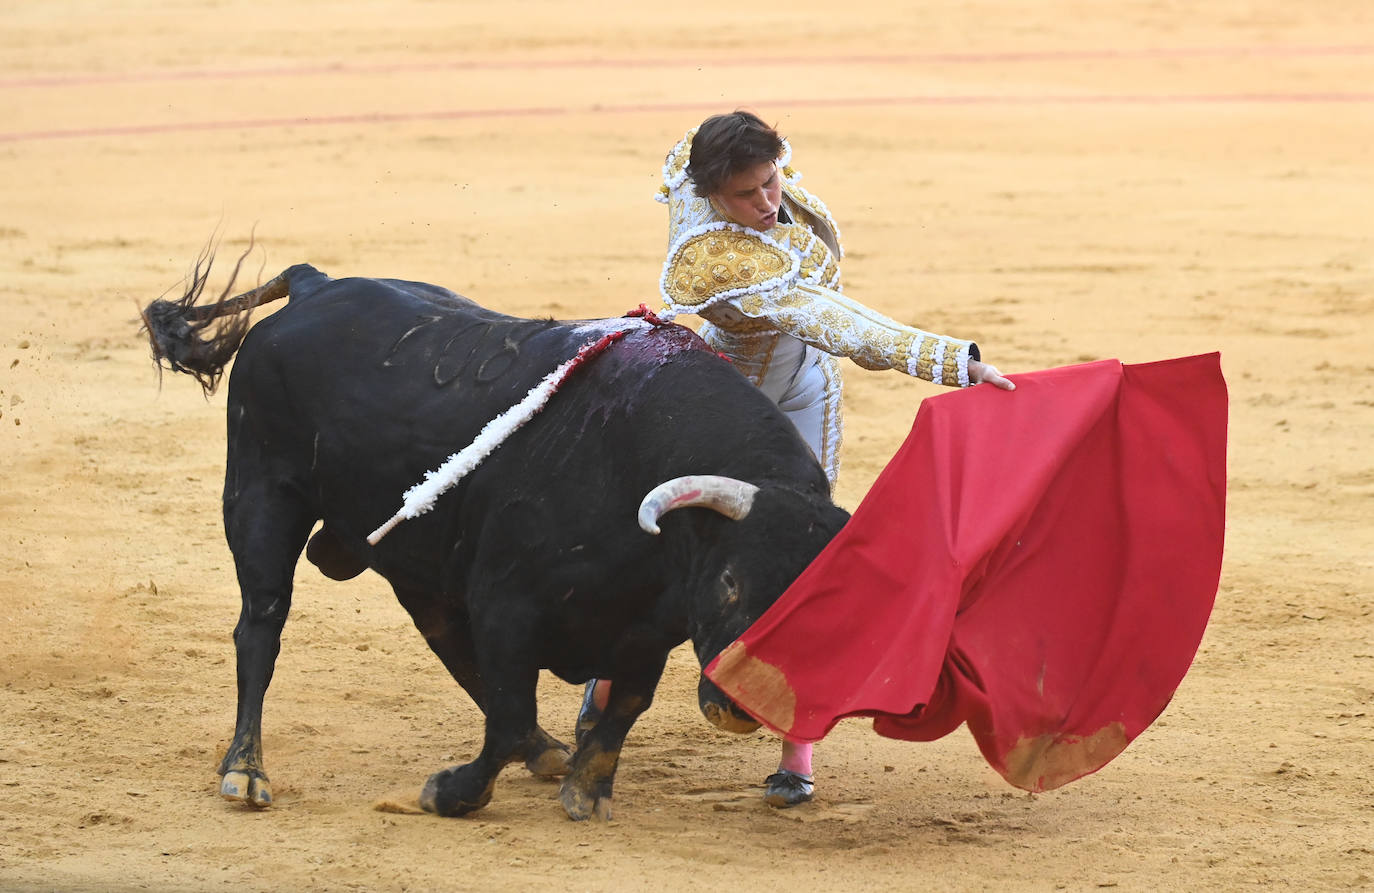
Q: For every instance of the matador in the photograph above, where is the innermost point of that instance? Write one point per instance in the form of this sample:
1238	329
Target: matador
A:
772	302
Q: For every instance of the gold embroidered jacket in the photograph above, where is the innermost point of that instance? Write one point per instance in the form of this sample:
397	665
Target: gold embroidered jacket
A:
758	287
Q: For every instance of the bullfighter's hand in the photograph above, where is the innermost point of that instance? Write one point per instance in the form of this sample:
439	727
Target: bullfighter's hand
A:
979	372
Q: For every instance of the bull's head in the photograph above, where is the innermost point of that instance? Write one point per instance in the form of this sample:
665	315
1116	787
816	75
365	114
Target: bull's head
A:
778	532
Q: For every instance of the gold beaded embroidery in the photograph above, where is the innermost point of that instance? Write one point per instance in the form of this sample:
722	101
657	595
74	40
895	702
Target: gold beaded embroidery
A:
724	260
926	359
949	370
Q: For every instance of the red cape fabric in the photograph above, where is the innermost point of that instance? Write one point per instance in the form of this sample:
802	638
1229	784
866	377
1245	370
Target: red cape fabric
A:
1039	564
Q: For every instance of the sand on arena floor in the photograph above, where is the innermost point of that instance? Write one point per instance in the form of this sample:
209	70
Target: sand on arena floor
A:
1062	181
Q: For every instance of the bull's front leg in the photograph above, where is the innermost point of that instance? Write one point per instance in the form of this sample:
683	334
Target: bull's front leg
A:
587	790
448	633
511	727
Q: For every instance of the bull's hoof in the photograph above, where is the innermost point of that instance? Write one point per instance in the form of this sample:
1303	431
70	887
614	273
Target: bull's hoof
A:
551	762
581	803
246	787
586	792
455	791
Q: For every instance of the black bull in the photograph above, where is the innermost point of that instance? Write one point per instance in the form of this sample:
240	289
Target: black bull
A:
343	399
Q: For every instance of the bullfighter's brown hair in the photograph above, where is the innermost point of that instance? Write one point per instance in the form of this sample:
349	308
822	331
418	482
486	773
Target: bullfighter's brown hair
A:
726	144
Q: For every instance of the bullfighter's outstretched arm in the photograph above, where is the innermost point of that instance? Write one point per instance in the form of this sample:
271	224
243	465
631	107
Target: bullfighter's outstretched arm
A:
831	321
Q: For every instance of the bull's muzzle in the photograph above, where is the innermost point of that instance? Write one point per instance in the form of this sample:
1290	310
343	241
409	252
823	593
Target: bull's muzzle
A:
722	712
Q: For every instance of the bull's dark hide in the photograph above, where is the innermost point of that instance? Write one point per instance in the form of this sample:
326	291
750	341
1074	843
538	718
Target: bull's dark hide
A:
348	395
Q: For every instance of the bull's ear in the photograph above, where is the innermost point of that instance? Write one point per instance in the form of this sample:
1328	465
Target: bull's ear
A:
732	498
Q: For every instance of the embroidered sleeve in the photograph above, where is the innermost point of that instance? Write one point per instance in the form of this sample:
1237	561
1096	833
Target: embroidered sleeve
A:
789	279
832	322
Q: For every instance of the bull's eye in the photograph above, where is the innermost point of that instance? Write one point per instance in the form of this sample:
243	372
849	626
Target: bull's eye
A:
729	590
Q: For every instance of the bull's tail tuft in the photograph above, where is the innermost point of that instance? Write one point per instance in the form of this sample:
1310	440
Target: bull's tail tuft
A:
200	340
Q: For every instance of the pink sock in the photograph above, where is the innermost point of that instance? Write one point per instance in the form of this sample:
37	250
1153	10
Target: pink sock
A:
796	757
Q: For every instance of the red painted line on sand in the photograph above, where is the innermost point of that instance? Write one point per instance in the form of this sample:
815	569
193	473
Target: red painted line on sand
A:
647	108
278	123
969	58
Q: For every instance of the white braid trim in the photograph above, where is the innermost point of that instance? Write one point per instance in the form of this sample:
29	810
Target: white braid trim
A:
962	365
937	362
833	435
673	179
913	358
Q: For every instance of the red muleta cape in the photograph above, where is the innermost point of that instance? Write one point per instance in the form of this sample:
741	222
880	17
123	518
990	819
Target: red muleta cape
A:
1039	564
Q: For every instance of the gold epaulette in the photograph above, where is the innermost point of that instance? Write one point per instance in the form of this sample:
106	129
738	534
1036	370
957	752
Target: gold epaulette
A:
724	263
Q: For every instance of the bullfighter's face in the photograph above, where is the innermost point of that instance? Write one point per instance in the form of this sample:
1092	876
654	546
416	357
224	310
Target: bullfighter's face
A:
751	197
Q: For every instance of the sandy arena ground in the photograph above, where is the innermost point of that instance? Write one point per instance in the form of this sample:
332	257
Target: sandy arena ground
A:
1062	180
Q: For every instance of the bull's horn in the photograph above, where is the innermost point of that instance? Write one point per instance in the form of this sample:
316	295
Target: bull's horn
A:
732	498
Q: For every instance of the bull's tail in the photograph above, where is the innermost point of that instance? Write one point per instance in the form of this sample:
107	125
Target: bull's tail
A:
200	340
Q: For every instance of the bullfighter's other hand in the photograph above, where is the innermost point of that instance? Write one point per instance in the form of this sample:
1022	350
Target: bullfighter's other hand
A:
979	372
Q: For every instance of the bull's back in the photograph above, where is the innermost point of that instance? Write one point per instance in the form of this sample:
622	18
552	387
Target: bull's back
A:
376	352
358	386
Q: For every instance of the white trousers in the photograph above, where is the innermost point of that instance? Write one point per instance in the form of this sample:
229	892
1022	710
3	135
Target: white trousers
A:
806	385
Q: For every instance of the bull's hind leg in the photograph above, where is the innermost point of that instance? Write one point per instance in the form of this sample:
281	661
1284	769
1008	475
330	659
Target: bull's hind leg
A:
448	632
545	756
266	527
